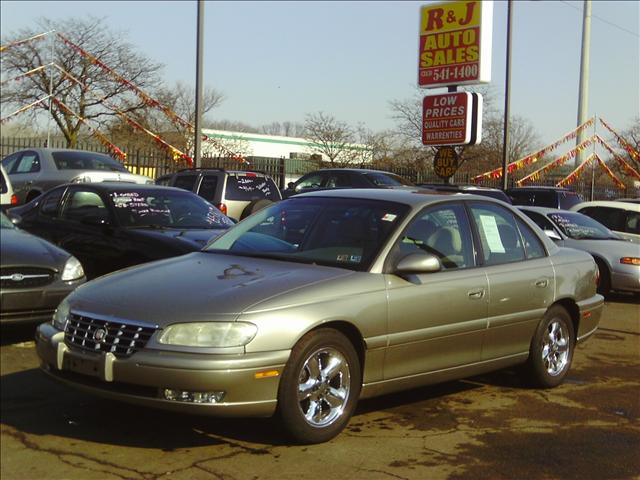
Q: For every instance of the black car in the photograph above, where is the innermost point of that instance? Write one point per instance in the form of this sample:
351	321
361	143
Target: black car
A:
237	193
471	189
332	178
109	226
35	275
550	197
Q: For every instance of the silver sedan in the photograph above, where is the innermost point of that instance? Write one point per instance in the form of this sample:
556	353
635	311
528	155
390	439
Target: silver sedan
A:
325	298
618	259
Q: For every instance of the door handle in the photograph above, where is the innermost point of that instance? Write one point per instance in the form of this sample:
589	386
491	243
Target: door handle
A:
476	294
543	282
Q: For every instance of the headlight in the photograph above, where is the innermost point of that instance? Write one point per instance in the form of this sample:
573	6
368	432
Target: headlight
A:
72	270
61	315
209	334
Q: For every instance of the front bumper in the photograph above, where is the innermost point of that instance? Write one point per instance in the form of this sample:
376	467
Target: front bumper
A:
142	377
628	281
590	311
32	305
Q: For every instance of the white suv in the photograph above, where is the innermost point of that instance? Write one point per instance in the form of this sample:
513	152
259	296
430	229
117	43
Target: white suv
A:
7	197
621	217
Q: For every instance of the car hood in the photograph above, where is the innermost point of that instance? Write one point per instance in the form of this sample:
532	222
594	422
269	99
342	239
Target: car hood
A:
193	238
607	248
19	248
195	287
107	176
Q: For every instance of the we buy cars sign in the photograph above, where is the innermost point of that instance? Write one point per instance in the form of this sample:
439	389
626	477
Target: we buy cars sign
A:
455	43
451	119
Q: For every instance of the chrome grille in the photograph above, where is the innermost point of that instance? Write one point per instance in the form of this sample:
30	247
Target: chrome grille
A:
96	335
25	277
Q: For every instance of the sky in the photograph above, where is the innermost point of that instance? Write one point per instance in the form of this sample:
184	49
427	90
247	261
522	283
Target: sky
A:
278	61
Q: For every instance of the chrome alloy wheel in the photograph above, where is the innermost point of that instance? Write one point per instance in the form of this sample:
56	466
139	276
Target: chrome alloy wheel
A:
555	348
323	387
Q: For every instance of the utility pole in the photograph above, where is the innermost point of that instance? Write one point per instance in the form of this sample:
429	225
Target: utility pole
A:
197	144
583	100
507	101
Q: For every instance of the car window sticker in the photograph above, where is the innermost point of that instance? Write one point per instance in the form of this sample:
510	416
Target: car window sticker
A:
492	234
389	217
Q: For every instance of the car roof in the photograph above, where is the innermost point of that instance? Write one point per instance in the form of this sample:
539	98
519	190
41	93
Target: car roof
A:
541	187
354	170
51	150
411	196
121	186
543	210
632	207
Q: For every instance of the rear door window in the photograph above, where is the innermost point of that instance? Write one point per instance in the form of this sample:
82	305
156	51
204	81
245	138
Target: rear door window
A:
208	188
29	163
499	235
186	182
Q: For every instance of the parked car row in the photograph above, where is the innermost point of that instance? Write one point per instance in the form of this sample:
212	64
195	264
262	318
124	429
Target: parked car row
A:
308	303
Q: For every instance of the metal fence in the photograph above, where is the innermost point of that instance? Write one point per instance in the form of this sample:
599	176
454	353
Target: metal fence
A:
156	162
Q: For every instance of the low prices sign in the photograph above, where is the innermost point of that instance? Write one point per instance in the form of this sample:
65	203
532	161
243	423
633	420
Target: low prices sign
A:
455	43
451	119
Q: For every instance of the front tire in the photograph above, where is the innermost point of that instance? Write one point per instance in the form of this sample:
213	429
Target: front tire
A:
551	350
320	387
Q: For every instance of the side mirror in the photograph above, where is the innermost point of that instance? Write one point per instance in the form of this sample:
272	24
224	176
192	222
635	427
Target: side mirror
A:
420	262
552	235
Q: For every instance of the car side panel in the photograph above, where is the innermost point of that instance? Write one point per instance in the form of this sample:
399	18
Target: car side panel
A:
519	295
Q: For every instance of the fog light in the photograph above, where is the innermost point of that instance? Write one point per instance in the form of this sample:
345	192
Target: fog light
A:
192	397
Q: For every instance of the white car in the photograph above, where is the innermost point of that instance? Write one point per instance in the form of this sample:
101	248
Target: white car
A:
620	217
7	197
34	171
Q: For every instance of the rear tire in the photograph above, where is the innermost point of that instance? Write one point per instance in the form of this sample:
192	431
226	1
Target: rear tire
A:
551	350
254	206
604	284
320	387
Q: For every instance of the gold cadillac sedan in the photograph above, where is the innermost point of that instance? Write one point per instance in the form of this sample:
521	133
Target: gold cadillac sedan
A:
325	298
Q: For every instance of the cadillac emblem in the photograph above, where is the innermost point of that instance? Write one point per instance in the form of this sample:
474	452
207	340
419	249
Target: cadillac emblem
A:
100	335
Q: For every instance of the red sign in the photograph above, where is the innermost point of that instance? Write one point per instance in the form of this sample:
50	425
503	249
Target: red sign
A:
446	119
455	43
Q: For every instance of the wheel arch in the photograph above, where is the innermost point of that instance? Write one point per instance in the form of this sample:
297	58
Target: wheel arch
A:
353	335
572	309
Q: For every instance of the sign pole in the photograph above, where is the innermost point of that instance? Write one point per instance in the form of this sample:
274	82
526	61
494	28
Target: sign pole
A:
507	101
197	144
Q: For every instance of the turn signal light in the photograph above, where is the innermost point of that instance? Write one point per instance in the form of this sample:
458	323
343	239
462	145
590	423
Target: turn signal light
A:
630	260
222	207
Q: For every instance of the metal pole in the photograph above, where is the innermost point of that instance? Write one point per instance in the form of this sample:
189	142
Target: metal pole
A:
50	87
583	100
507	101
197	144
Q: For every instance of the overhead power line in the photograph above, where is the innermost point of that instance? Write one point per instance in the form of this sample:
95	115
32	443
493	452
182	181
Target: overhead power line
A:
608	22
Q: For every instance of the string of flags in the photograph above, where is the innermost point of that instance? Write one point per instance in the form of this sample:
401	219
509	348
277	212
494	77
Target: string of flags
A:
147	100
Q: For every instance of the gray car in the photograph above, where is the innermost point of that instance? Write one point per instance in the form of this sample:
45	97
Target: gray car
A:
325	298
34	275
618	259
35	170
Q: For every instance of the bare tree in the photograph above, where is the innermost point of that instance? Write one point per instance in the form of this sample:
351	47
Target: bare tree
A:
285	129
94	86
332	138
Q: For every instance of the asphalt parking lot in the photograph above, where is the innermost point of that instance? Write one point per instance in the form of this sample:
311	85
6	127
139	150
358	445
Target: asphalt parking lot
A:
487	427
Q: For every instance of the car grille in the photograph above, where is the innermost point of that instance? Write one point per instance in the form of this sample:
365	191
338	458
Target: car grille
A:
95	335
25	277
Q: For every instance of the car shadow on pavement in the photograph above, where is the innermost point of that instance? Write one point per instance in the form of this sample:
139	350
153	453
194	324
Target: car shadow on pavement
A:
10	334
32	403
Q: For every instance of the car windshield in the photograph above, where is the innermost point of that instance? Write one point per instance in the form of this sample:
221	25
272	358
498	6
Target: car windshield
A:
5	222
387	179
166	208
581	227
338	232
70	160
